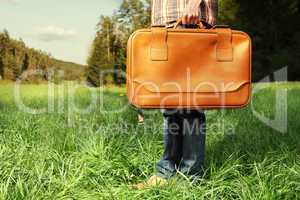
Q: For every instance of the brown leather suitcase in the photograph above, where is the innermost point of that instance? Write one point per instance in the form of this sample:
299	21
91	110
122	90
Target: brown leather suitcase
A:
189	68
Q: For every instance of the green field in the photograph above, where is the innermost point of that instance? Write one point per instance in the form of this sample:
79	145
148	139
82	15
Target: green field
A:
62	154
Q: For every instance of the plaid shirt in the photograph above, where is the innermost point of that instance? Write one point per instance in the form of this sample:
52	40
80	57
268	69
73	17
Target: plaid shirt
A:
169	11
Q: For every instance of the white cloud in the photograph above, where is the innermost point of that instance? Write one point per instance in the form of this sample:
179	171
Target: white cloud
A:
53	33
12	2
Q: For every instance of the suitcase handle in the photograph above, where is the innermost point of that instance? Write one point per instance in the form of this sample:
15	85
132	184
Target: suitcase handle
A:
179	22
159	46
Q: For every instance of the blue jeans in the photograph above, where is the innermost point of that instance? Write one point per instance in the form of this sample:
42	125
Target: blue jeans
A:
184	143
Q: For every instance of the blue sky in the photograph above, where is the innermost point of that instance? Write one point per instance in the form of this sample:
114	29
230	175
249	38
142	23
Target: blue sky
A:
64	28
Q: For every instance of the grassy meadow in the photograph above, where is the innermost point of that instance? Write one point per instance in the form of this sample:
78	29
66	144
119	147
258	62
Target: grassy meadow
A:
56	152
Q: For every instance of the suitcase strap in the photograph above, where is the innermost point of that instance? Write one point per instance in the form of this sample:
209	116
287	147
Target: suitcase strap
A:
224	52
159	44
140	113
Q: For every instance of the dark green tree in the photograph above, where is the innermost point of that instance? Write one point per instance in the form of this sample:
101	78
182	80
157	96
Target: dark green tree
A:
102	55
109	46
4	44
274	27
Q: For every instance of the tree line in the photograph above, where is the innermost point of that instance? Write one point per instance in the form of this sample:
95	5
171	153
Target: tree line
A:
16	58
272	24
108	51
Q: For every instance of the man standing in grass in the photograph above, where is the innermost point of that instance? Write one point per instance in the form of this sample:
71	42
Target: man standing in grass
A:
184	135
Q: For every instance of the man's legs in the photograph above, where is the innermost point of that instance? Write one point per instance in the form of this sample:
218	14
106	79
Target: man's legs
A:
173	142
193	148
184	143
184	146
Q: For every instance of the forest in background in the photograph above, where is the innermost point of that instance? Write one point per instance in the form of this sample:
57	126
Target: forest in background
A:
273	25
16	58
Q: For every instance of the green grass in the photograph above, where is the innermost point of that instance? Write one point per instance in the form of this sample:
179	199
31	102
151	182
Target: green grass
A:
66	155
